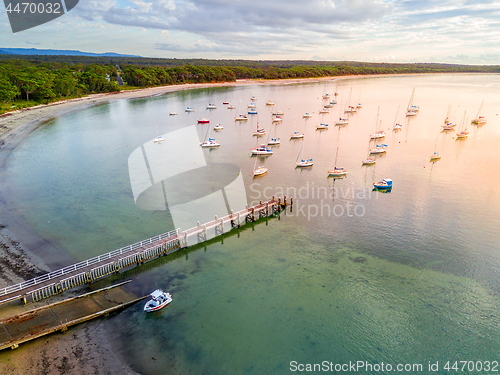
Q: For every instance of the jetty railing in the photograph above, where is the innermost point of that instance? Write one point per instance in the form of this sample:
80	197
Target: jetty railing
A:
84	264
104	265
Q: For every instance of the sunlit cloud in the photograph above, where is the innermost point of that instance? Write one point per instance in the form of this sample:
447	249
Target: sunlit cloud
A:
465	31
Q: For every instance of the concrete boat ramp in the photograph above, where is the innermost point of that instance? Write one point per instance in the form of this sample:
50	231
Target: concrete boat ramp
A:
61	315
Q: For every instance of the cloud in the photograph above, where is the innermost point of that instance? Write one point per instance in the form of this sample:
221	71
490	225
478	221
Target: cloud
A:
221	23
410	30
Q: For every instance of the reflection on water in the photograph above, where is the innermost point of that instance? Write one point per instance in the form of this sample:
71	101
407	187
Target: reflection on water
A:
349	274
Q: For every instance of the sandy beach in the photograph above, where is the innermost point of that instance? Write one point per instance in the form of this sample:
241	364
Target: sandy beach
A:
24	255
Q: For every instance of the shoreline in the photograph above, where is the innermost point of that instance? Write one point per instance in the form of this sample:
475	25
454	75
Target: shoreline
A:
35	254
10	121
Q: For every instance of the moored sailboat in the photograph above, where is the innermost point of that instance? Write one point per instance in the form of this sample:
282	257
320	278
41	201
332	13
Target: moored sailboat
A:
303	163
464	133
479	120
210	142
273	141
379	149
159	138
412	110
337	171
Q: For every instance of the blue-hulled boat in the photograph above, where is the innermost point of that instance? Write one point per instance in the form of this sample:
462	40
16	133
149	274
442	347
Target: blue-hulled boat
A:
385	184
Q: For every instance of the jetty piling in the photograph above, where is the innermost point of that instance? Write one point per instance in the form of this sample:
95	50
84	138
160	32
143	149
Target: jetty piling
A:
104	265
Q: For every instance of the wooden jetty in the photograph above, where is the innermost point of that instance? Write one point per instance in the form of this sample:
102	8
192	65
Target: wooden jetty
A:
61	315
87	271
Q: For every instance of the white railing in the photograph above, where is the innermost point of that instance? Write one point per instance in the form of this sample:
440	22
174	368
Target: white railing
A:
83	264
124	250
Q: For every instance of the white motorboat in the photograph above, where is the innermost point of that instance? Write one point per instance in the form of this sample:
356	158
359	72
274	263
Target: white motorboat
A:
211	143
159	300
189	109
211	106
262	150
218	127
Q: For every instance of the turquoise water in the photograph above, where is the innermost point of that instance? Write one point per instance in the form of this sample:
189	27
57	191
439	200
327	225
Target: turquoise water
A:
410	277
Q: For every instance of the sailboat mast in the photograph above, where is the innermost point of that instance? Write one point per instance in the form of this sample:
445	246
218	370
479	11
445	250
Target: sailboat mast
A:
206	135
410	103
300	152
480	107
396	117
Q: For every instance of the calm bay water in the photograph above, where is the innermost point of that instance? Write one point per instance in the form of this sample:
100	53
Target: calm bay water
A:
409	277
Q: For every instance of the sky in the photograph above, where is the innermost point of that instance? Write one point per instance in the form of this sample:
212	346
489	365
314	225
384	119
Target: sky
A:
458	31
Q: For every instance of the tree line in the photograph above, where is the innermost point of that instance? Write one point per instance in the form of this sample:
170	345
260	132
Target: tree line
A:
45	82
35	80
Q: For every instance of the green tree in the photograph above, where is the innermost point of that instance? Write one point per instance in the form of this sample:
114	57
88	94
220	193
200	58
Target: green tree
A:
8	91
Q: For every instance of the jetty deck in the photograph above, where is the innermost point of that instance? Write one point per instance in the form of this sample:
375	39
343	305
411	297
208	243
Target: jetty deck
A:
90	270
61	315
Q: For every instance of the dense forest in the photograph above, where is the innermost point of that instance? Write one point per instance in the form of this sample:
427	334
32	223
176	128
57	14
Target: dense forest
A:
30	80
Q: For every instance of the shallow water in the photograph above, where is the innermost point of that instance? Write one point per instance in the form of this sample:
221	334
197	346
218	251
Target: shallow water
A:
348	275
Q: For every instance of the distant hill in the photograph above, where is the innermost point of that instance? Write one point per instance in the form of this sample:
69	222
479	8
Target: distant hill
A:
35	51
